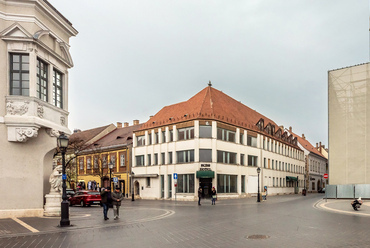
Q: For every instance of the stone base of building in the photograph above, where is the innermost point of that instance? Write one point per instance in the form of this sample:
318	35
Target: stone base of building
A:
52	206
16	213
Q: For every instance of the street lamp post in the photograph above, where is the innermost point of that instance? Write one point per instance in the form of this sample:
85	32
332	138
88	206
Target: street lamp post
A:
132	186
63	144
258	194
110	174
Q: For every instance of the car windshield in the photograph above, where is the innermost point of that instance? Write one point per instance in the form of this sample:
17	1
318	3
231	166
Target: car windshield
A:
93	193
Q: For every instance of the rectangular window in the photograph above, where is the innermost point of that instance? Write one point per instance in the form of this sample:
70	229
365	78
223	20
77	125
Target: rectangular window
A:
252	160
163	158
279	165
186	133
272	165
148	182
81	162
243	183
156	138
88	163
140	160
185	183
226	183
268	145
251	141
264	144
226	157
105	161
149	139
96	162
241	159
42	80
156	159
57	89
205	131
226	135
185	156
149	159
205	155
19	75
170	161
241	139
171	135
164	137
140	140
264	162
122	160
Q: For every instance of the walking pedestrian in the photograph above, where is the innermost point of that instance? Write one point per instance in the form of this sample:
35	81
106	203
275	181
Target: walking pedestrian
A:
106	200
199	195
117	197
214	196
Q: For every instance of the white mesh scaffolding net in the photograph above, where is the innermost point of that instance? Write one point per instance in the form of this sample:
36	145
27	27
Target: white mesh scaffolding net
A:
349	116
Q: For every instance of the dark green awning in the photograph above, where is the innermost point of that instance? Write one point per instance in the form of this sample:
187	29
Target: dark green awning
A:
205	174
291	179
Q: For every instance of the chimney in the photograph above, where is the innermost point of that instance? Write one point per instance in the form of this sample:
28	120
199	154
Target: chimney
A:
136	122
119	124
281	127
320	144
317	145
76	130
150	116
303	137
125	124
290	129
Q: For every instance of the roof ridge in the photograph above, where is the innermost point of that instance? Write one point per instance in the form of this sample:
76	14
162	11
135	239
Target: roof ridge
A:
204	100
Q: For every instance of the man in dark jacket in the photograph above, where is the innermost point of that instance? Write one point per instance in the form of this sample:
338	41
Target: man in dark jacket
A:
117	197
106	200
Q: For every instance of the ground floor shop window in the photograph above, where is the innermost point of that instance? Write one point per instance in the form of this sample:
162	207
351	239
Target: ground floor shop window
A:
226	183
185	183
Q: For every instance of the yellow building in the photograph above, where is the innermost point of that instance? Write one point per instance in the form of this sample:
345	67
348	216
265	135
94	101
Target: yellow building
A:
108	157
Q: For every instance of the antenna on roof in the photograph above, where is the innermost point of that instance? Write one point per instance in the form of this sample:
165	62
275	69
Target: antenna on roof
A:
209	83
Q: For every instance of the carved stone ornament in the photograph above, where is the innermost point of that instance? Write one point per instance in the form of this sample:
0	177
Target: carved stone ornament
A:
40	111
62	120
52	132
16	109
23	134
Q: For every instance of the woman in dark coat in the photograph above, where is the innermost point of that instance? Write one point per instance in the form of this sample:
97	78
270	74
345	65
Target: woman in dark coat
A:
214	196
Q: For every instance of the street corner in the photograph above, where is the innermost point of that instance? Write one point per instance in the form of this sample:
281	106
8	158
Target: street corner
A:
342	207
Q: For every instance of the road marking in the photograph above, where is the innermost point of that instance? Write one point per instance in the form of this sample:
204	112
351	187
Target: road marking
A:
25	225
320	204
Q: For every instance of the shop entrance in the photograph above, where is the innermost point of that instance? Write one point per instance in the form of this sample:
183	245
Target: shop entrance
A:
206	185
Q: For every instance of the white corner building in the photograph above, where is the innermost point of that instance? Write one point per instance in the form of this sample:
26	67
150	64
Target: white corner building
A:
212	140
34	63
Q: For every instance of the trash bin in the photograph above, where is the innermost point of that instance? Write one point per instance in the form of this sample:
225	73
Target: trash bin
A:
304	192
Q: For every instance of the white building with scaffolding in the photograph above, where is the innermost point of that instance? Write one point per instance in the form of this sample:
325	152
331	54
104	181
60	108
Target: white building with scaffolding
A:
349	135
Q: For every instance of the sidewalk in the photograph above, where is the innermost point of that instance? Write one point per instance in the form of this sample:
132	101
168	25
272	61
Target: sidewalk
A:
343	206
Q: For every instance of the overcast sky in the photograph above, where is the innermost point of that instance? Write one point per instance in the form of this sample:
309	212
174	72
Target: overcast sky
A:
132	58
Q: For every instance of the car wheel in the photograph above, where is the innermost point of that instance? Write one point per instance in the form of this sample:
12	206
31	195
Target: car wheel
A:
82	204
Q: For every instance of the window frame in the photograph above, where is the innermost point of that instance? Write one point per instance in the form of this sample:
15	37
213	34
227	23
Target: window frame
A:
22	73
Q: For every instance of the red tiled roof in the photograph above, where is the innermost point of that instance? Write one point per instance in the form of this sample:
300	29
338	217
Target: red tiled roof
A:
85	136
209	103
307	145
119	136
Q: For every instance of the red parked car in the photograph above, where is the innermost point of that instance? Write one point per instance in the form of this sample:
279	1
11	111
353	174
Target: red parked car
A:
85	198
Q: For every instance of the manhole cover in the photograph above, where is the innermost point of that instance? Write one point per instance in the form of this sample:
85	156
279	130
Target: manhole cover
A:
257	236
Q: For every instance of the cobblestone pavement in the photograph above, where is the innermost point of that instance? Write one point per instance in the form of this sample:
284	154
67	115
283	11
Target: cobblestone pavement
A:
281	221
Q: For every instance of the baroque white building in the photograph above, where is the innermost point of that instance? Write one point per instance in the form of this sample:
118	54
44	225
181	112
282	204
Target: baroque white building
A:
34	63
212	140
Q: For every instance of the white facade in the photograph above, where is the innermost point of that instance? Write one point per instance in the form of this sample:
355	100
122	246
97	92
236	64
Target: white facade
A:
34	63
154	179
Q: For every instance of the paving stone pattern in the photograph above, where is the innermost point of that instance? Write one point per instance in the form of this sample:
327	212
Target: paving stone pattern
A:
284	221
